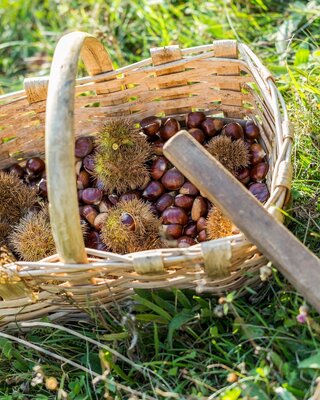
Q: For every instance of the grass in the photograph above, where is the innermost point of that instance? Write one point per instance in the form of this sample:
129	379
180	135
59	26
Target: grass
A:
180	344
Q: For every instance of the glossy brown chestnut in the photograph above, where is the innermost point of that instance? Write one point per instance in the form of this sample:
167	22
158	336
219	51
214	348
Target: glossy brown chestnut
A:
185	241
260	191
89	213
169	128
92	196
259	171
113	198
251	130
93	241
183	201
153	191
35	166
199	208
83	146
172	231
201	224
80	194
100	220
159	167
157	148
175	215
88	164
202	237
243	175
150	125
211	127
191	230
172	179
195	119
165	201
129	196
234	131
128	221
16	169
83	180
197	134
153	209
42	186
257	153
189	188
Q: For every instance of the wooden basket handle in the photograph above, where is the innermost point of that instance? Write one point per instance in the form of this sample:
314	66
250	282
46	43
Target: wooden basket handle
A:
60	155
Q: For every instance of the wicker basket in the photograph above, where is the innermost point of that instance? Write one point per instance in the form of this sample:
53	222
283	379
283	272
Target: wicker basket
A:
172	82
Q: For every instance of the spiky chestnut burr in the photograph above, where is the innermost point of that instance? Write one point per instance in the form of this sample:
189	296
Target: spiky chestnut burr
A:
232	154
15	198
31	239
131	226
218	225
121	156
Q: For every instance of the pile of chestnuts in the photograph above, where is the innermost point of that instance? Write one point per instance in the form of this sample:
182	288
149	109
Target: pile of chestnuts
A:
176	202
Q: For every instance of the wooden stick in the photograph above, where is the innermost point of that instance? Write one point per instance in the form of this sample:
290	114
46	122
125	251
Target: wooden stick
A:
291	257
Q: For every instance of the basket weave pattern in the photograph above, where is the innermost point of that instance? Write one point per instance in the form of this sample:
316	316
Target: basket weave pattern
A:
224	78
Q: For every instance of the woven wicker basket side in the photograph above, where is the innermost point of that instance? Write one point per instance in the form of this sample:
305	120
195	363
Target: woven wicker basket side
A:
171	82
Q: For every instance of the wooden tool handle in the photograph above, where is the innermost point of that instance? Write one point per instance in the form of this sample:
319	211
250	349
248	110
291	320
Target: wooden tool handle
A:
291	257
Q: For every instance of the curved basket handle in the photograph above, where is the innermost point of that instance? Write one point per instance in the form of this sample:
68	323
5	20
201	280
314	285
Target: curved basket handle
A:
60	155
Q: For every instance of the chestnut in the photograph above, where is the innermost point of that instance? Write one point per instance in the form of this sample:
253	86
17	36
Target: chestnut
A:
202	237
189	188
93	241
89	213
243	175
169	128
134	194
88	164
234	131
197	134
80	194
199	208
157	148
150	125
113	198
158	167
92	196
35	166
172	179
184	201
175	215
260	191
195	119
42	187
100	220
83	146
257	153
259	171
251	130
172	231
165	201
16	169
211	127
128	221
105	205
83	180
153	191
201	224
186	241
99	184
191	230
153	209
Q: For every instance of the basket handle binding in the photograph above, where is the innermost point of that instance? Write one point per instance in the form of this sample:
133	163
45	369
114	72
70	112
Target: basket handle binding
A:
59	139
